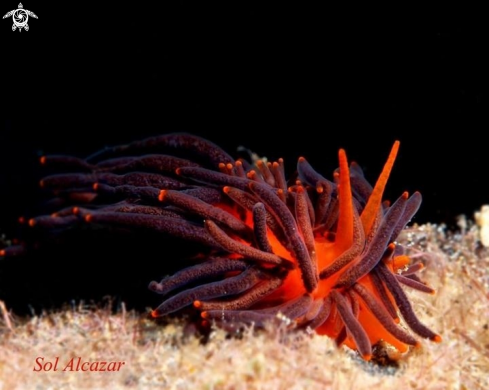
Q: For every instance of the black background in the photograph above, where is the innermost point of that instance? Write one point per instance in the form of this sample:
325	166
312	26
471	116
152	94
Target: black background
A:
284	81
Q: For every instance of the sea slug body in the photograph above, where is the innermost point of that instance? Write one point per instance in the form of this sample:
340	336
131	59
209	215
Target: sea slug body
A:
321	252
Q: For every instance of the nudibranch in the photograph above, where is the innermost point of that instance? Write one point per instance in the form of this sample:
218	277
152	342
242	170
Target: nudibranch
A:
319	252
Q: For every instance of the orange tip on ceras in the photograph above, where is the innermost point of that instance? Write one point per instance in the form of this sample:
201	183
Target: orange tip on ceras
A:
437	339
401	261
161	195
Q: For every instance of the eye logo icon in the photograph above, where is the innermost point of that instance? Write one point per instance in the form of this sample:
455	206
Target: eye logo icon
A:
20	16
